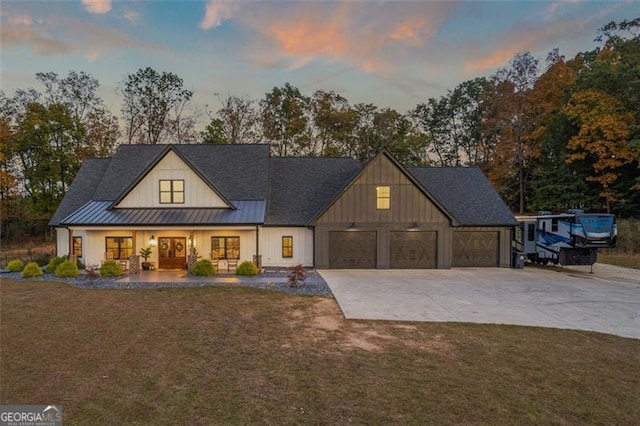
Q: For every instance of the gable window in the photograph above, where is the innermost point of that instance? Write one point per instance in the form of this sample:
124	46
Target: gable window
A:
225	247
383	197
77	246
287	246
172	191
119	248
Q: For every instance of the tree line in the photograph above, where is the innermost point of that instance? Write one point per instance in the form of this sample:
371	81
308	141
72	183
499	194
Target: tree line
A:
550	135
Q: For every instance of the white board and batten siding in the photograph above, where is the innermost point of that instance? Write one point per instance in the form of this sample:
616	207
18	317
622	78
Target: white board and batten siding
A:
271	246
147	192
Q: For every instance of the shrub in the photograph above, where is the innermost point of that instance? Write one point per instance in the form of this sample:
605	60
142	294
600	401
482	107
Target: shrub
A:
53	264
297	276
15	265
203	268
67	269
31	270
110	268
247	268
79	263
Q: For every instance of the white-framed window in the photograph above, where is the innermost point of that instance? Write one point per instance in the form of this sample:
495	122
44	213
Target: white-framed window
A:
171	191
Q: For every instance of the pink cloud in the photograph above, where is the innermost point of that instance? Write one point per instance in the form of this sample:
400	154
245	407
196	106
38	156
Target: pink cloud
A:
97	6
373	37
216	12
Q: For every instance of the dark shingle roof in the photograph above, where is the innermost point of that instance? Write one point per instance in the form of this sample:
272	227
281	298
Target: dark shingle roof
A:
300	187
83	188
292	190
466	194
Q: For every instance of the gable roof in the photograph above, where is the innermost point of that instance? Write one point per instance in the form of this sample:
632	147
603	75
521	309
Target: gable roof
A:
466	193
404	171
185	159
301	186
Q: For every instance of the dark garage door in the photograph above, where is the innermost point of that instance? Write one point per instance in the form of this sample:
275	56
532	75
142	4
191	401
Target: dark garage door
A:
352	249
475	248
413	250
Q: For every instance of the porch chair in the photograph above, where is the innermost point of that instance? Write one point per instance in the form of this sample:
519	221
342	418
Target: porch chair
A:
232	263
215	261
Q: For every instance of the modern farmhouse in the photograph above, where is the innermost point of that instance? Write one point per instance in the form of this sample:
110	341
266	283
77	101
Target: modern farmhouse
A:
233	203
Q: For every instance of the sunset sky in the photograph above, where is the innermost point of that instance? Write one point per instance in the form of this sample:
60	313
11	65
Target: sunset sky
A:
390	53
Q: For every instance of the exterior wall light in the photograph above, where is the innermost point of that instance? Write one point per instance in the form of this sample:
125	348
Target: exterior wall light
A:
153	241
414	226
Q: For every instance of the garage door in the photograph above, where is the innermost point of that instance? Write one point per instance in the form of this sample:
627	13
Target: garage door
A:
352	249
477	248
413	250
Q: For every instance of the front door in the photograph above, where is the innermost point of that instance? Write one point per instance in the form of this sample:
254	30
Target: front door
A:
173	252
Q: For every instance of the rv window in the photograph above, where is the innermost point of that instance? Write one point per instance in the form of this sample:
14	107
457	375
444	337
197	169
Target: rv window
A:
531	228
554	225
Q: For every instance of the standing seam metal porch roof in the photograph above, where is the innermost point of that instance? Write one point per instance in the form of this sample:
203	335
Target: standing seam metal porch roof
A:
97	213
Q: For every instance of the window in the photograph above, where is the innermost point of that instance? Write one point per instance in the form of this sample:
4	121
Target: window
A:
172	192
120	248
225	247
554	225
383	197
287	246
77	246
531	232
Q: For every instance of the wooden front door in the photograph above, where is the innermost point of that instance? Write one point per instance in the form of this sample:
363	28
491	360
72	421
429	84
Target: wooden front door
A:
172	253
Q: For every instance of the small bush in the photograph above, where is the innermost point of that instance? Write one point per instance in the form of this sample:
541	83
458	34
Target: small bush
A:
110	268
53	264
67	269
31	270
15	265
297	276
79	263
203	268
247	269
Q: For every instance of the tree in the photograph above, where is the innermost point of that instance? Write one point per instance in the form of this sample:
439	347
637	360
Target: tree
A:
334	123
213	133
149	98
76	91
102	132
284	121
515	148
238	119
603	138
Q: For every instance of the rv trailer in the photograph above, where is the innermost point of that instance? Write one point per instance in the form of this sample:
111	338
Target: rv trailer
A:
571	238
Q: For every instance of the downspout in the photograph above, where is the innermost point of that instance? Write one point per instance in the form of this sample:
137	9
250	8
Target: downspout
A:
70	242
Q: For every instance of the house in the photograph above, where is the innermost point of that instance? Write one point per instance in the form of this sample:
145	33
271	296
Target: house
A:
235	202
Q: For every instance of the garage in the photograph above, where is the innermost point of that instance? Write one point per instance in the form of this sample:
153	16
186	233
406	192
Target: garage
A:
413	250
476	248
352	249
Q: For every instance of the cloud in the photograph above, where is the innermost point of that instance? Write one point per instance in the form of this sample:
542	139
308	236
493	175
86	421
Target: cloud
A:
525	38
216	12
97	6
373	37
65	35
131	16
41	43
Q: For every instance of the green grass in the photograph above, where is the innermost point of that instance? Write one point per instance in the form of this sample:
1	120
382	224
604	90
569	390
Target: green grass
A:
236	356
624	260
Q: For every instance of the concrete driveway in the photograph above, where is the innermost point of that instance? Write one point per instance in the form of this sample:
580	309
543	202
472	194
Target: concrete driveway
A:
607	301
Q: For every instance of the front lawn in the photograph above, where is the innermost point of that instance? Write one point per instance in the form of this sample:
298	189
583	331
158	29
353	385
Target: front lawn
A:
216	355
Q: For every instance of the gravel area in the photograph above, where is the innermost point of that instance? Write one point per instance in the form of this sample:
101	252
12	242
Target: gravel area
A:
269	280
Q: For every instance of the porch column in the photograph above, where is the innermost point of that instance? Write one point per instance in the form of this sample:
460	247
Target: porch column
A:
70	254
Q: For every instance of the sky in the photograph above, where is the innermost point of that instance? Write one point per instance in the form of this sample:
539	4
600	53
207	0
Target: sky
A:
391	53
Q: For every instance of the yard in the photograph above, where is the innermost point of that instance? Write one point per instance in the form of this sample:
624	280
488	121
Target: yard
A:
238	355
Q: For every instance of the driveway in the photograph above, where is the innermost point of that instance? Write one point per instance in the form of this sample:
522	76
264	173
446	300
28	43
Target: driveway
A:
607	301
